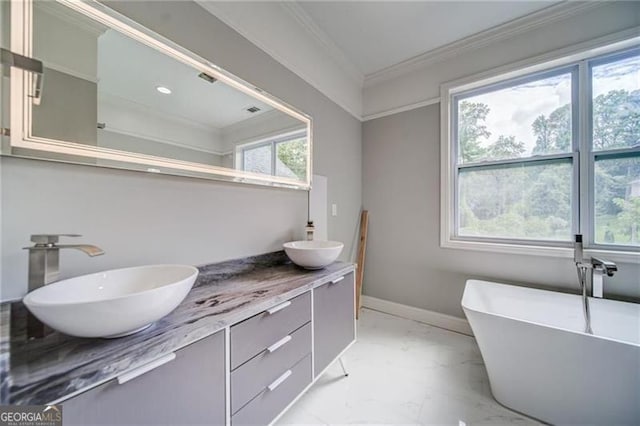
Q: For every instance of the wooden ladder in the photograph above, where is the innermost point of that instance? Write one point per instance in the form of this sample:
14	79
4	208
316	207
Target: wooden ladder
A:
362	252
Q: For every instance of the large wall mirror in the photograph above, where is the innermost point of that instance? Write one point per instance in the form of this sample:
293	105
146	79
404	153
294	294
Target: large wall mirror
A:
115	94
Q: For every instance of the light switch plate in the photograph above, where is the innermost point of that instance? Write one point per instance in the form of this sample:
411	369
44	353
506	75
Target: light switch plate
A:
334	210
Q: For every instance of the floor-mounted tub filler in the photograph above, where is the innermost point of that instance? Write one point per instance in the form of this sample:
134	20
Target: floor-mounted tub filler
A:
540	361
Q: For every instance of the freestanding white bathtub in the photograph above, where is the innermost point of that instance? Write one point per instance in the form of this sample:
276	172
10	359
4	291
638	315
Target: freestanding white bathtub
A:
541	363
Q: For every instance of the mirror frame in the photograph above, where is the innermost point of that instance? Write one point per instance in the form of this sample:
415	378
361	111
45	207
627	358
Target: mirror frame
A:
21	103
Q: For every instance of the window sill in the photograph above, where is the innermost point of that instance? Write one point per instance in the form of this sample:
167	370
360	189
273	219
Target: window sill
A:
539	250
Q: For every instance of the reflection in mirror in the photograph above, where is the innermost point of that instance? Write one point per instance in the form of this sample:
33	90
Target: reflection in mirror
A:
107	90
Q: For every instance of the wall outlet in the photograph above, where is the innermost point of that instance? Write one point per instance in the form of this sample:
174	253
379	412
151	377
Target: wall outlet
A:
334	210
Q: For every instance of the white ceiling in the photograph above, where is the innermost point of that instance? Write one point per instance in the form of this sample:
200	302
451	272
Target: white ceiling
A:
130	70
343	47
378	34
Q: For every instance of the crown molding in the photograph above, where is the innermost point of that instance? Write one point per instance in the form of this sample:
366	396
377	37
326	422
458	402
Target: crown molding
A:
352	106
402	108
297	14
73	73
67	15
256	120
327	43
116	101
164	141
264	137
603	45
504	31
119	101
230	131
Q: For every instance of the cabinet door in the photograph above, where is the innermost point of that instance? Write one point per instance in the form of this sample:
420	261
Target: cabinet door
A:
333	320
188	390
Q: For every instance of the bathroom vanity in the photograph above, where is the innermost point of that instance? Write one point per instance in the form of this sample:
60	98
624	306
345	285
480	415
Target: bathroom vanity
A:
248	340
252	334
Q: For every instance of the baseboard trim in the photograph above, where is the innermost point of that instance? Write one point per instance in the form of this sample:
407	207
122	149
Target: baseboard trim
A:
448	322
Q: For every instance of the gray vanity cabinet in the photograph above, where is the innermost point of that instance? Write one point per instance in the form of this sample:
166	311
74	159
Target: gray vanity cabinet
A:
270	361
273	356
190	389
333	320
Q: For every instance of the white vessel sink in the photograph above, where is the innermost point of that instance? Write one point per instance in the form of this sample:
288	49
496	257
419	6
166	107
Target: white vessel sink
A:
112	303
313	254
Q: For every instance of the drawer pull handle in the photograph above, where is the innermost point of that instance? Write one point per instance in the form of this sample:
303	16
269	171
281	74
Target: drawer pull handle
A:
278	307
277	345
277	382
337	280
130	375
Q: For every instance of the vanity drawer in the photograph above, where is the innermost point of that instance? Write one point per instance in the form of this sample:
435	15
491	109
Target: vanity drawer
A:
253	335
262	409
255	375
189	389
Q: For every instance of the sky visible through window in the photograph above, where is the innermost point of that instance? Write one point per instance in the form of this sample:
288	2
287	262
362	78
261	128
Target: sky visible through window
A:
513	110
624	74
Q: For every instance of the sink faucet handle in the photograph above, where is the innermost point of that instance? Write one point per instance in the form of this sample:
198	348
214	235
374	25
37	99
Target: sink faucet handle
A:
606	266
50	238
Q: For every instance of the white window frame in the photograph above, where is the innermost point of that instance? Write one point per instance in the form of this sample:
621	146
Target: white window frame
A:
273	141
582	156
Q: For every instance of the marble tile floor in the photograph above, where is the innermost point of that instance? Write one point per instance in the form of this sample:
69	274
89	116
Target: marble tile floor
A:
404	372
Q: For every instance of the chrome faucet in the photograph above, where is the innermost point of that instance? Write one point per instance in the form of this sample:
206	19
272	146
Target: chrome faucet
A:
608	267
44	257
598	268
582	268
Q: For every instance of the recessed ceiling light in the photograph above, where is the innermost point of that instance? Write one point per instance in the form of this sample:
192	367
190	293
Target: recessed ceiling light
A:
163	90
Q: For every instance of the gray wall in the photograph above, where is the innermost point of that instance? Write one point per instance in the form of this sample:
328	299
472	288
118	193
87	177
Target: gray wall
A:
68	110
405	264
401	176
115	140
337	140
145	218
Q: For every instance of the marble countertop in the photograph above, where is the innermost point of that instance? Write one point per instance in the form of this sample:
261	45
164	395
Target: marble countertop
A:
56	367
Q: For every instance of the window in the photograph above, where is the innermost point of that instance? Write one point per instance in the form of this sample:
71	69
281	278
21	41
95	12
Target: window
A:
258	159
284	156
536	158
615	149
515	144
